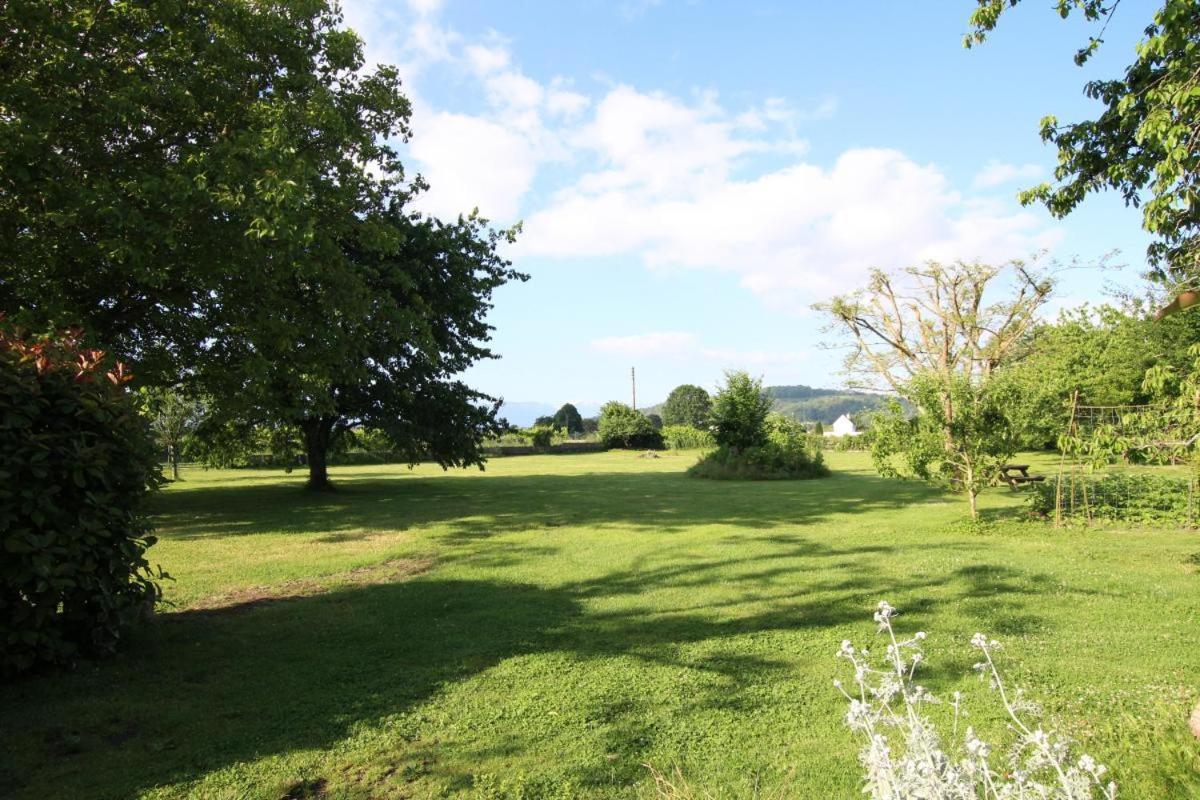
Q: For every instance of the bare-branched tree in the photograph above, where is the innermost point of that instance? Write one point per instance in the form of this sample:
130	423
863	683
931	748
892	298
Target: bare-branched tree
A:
936	335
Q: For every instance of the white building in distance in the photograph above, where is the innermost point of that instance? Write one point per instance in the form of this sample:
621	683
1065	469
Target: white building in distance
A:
842	426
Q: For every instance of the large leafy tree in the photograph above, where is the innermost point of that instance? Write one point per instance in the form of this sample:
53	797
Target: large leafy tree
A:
1145	144
386	360
569	419
174	165
687	405
206	186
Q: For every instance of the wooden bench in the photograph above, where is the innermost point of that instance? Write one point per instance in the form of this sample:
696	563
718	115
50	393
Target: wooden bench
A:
1018	475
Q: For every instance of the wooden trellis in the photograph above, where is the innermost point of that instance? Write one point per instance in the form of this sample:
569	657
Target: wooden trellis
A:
1099	435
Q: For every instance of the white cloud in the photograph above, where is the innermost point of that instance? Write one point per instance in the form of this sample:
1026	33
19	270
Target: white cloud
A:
472	162
485	59
425	8
794	235
681	345
681	183
406	36
996	173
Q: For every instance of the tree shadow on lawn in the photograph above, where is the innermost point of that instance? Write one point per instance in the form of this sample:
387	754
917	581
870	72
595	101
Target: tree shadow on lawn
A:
199	691
482	506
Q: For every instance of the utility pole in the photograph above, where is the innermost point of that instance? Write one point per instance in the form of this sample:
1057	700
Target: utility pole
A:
633	383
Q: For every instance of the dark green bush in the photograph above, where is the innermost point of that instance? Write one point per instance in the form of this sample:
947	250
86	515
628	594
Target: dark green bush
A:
76	464
625	427
1140	497
789	452
541	435
753	443
765	463
739	412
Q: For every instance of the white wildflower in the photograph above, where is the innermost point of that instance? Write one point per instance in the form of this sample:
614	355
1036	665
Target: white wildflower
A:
904	756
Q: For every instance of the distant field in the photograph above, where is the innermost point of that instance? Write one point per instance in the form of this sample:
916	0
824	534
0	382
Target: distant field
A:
547	627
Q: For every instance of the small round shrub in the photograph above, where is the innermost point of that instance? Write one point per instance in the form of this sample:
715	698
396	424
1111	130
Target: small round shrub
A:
765	463
625	427
541	435
788	451
76	464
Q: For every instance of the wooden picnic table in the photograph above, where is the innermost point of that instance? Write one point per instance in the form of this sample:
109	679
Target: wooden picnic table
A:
1017	475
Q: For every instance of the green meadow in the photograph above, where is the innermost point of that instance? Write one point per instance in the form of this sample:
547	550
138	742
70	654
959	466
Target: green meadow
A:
552	625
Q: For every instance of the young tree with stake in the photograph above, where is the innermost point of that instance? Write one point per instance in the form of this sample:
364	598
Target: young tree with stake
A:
938	335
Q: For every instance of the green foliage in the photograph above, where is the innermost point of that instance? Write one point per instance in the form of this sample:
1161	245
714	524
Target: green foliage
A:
1097	355
568	419
520	787
623	427
547	574
753	443
785	451
739	412
1127	496
806	403
174	418
177	144
687	405
392	364
766	462
960	436
685	437
76	464
541	435
1143	144
370	440
818	429
846	444
940	335
181	143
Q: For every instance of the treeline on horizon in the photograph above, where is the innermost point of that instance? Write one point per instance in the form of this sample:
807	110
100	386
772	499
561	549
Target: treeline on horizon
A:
811	404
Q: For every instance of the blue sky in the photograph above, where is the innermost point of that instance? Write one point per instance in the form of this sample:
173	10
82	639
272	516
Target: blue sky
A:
693	175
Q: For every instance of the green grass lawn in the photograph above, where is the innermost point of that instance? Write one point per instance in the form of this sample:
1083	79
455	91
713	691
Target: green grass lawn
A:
549	626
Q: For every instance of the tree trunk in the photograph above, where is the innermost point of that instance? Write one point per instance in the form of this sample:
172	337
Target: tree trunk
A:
174	456
972	491
316	447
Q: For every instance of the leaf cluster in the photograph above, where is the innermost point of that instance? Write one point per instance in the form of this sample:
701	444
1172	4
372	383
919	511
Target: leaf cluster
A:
77	463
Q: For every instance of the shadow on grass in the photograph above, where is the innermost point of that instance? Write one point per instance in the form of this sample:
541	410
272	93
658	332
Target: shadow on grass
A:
474	508
204	690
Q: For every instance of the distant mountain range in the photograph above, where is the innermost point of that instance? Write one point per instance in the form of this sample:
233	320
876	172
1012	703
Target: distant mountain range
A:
809	404
523	414
803	403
